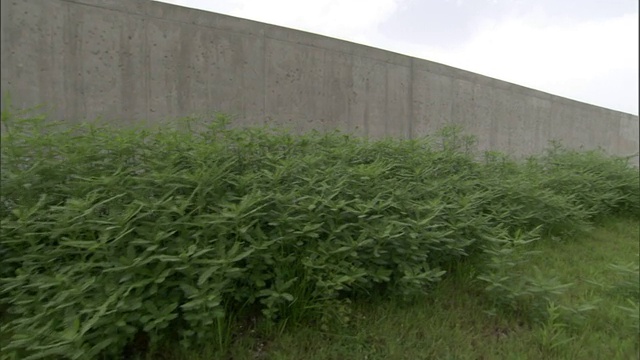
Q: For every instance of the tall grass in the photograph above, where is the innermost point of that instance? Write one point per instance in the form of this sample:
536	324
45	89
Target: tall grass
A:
109	235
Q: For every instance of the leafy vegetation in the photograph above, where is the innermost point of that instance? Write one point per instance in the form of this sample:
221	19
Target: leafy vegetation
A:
455	321
114	237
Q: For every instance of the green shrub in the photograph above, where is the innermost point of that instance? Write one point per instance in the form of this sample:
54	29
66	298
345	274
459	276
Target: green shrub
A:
107	233
600	184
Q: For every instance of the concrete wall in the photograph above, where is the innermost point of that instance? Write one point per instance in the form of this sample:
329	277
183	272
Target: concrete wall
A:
143	61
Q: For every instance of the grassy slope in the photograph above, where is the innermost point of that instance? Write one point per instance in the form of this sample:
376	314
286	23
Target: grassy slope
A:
452	323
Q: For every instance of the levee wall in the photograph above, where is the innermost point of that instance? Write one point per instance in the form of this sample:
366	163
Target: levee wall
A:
144	61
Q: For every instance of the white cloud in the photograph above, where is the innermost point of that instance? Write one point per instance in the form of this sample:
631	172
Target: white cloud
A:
593	61
527	51
353	20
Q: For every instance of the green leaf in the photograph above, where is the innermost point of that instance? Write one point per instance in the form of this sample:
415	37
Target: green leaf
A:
72	330
206	275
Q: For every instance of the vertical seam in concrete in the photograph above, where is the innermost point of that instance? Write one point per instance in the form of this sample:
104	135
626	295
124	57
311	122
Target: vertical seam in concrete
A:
366	107
4	76
386	97
147	62
74	42
451	121
410	96
350	100
264	77
41	64
619	134
80	71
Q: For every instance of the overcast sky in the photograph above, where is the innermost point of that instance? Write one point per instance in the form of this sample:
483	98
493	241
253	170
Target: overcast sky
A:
585	50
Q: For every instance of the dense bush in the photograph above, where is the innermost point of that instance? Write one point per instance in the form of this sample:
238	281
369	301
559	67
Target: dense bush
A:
107	233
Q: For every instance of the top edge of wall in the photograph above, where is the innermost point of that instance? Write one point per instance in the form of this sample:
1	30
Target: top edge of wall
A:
196	17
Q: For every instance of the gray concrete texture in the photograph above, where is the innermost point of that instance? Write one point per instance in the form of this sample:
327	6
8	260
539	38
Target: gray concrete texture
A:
145	62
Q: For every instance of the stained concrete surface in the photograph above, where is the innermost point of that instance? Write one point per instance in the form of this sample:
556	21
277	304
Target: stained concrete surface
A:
145	62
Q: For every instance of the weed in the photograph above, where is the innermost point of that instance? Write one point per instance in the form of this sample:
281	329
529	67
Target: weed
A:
110	233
